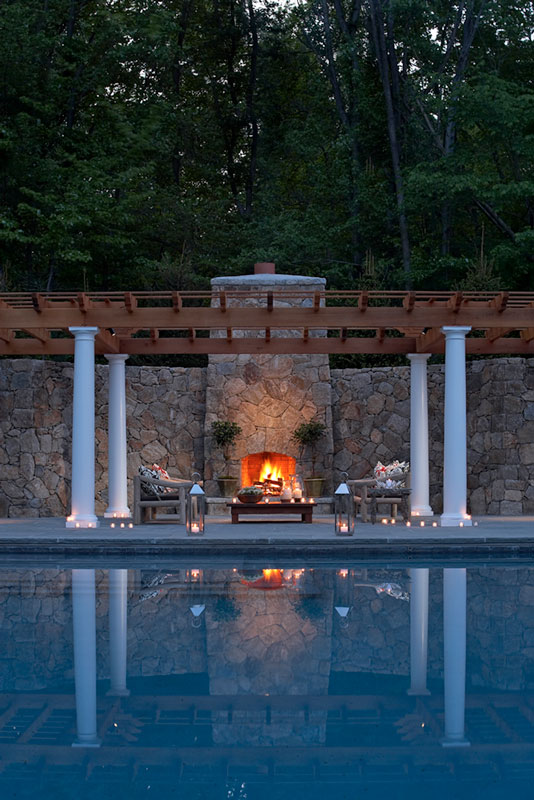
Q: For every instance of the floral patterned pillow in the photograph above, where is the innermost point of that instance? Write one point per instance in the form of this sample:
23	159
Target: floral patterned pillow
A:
150	488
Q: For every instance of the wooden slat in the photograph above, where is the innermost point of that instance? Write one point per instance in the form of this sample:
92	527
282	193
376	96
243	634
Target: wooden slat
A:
176	301
343	334
426	342
130	302
270	301
6	334
39	302
246	318
154	335
409	301
527	335
267	334
192	335
456	301
228	334
42	334
105	342
495	333
363	301
84	302
381	335
317	301
305	334
500	302
222	301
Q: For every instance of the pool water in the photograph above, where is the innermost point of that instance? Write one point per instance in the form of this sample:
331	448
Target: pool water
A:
280	682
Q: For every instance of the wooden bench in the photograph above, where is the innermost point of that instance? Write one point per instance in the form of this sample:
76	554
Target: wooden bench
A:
146	505
304	509
365	490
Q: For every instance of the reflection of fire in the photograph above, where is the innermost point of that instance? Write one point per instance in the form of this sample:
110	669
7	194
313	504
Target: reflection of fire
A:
272	579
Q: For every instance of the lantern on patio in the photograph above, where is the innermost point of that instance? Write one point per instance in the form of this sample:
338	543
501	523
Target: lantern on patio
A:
195	510
344	509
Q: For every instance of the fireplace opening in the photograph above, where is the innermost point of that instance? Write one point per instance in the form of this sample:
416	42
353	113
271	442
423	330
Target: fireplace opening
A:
267	469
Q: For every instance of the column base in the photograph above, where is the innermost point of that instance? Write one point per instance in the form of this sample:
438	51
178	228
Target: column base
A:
91	743
117	513
418	692
118	693
421	511
454	520
455	742
90	521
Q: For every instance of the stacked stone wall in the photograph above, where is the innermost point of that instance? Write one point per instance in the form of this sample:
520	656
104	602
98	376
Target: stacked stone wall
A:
165	417
169	411
371	417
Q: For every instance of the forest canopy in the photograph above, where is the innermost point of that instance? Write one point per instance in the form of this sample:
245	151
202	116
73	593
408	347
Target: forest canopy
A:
150	144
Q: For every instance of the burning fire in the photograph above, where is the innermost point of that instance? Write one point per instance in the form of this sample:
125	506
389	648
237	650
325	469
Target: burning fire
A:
271	579
271	471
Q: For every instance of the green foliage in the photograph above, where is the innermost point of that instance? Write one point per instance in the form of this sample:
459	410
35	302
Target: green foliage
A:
307	435
149	145
225	433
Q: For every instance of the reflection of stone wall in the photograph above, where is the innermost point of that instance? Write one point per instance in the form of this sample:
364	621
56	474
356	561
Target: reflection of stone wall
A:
271	649
266	643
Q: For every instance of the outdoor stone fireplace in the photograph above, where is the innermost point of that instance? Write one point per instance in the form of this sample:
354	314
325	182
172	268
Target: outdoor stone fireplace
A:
268	396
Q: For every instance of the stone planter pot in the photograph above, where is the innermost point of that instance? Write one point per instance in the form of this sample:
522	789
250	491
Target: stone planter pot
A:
227	486
313	487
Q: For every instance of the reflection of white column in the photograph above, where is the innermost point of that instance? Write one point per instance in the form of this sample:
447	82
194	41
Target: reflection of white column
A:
454	647
118	608
83	431
418	631
117	469
455	430
84	623
419	497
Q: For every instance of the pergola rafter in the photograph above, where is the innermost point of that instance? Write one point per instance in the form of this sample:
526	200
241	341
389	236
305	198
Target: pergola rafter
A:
177	323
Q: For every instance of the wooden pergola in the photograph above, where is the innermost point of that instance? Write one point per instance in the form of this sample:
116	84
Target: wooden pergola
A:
374	322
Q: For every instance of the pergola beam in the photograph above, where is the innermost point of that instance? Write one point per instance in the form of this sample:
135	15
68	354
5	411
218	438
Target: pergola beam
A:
278	345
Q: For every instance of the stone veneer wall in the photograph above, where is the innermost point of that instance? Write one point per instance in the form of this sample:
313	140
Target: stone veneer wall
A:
167	412
371	414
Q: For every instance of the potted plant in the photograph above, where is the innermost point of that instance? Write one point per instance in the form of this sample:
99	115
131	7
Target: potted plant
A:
225	433
307	435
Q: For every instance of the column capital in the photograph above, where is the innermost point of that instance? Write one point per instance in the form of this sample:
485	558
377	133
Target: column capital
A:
116	356
418	357
84	332
455	331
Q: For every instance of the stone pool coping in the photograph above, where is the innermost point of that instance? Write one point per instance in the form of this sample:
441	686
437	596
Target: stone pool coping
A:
494	536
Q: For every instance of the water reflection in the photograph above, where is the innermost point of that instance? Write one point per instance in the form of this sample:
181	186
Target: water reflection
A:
307	675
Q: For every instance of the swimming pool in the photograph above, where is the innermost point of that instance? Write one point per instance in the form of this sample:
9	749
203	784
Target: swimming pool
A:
250	682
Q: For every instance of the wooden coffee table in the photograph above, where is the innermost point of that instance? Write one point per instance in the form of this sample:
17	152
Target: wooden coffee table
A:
304	509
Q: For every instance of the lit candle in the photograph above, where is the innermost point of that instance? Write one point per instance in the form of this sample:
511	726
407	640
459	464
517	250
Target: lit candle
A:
122	524
475	524
384	522
195	528
461	524
112	525
434	524
343	528
130	525
422	524
393	521
297	494
77	524
234	499
408	524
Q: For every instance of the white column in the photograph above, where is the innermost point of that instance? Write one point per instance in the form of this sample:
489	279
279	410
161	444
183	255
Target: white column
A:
419	497
454	647
84	624
455	430
118	630
83	431
117	466
418	631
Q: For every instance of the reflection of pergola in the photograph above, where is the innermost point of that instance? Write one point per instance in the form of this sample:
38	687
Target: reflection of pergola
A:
412	323
161	740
